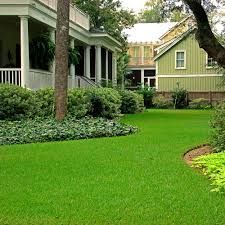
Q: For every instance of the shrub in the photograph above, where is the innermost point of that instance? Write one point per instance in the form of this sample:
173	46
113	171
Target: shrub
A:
199	103
16	102
131	102
148	95
179	96
78	104
104	102
48	129
160	102
218	128
45	100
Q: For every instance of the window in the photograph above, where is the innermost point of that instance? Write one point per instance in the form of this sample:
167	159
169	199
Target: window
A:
147	52
210	62
136	52
180	59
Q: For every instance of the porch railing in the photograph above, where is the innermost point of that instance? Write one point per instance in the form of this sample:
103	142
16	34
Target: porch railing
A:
76	15
10	76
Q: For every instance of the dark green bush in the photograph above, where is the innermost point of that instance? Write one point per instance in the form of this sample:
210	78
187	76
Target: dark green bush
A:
78	103
148	95
160	102
48	129
16	102
218	128
131	102
199	103
179	96
104	102
45	101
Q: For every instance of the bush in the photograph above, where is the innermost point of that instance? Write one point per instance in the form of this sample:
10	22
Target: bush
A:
160	102
45	101
104	102
148	95
78	104
48	129
16	102
199	103
131	102
179	96
218	128
213	166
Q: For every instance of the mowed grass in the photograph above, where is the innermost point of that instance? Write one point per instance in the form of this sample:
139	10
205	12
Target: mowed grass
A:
138	179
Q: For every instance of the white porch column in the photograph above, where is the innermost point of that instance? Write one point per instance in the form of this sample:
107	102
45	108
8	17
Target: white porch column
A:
72	67
98	64
107	66
114	69
24	42
142	77
52	68
88	62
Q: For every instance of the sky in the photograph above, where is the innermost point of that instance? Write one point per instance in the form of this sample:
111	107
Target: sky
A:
136	5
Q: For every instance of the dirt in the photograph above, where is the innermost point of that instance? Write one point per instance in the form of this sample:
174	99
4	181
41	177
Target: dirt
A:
194	153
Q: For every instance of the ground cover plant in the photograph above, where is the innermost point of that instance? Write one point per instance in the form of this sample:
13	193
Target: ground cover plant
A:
48	129
135	179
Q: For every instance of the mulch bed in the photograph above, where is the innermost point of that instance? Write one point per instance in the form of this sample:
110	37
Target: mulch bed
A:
196	152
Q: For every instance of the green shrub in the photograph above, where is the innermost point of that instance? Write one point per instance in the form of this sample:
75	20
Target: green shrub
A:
78	104
160	102
179	96
131	102
45	100
104	102
199	103
148	95
16	102
48	129
218	128
213	166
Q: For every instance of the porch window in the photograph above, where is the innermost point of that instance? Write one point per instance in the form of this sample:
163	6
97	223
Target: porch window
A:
147	52
210	62
180	58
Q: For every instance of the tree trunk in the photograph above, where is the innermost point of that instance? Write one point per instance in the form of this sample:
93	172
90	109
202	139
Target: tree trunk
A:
61	55
204	35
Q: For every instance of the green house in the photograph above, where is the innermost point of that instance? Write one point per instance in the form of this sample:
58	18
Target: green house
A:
183	62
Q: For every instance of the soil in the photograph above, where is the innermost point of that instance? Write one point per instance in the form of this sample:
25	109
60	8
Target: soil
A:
194	153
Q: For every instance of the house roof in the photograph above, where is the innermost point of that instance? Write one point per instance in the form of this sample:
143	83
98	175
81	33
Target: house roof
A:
175	42
147	32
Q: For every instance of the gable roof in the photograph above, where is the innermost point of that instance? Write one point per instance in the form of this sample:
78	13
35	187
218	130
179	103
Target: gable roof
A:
175	42
147	32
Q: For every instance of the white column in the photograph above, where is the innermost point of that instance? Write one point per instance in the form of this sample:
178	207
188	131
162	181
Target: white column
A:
114	69
52	68
72	67
88	62
107	66
24	42
142	77
156	75
98	64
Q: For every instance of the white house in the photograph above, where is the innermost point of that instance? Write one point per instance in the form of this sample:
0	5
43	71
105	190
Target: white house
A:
22	20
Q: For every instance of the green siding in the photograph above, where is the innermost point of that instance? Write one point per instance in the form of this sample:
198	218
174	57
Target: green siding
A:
195	59
191	83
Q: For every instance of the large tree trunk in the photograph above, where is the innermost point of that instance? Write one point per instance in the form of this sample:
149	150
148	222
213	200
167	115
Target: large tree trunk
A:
204	35
62	71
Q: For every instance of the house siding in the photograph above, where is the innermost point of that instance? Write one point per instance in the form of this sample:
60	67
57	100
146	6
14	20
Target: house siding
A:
198	84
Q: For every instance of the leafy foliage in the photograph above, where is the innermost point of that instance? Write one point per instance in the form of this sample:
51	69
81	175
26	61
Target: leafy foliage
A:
148	94
161	102
199	103
131	102
179	96
105	102
218	128
74	56
46	130
16	102
213	166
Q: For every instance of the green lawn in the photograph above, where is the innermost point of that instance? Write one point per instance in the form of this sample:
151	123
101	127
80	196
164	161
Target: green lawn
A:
138	179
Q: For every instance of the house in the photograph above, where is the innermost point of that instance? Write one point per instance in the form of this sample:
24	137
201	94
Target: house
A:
23	20
143	41
182	62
